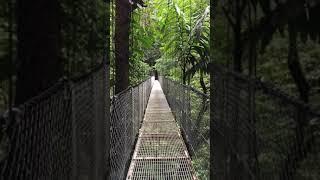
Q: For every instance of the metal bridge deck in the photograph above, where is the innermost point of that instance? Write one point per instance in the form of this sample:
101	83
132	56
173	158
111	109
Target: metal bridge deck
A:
160	152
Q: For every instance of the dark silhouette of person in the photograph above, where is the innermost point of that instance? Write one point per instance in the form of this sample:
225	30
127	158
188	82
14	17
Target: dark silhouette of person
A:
156	75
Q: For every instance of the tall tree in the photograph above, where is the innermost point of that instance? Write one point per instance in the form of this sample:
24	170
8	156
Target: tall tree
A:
296	16
38	32
124	8
122	31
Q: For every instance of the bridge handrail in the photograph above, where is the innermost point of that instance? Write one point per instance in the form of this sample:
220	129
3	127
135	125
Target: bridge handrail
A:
127	112
60	133
268	87
188	86
131	87
191	110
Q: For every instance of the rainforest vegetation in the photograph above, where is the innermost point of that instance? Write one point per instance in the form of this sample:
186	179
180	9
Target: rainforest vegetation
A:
271	40
173	37
276	43
170	36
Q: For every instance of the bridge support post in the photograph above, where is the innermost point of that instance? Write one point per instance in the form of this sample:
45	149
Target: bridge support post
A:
218	140
100	124
74	138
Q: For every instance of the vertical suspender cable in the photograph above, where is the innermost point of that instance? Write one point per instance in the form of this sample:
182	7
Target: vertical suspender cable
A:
190	14
131	33
91	34
182	42
10	39
106	53
106	66
74	36
112	45
190	32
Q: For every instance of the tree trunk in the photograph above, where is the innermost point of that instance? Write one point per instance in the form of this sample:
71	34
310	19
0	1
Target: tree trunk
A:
237	46
184	73
218	150
108	83
236	171
252	60
39	61
299	148
295	66
203	84
122	31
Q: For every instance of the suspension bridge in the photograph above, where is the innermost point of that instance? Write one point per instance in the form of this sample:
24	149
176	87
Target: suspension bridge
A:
161	130
160	151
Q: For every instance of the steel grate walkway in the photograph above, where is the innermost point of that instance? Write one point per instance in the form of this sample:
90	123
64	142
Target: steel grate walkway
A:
160	153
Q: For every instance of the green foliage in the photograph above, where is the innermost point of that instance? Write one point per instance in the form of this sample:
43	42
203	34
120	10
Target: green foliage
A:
264	31
201	162
273	66
82	39
172	36
6	55
83	35
139	71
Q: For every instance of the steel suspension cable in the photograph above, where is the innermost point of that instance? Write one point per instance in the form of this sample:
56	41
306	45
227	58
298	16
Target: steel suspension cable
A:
10	39
113	45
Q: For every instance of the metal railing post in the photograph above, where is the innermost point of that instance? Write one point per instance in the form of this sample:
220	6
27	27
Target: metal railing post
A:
99	89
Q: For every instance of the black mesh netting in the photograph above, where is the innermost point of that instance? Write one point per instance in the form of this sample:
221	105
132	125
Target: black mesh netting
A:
39	138
127	112
192	113
259	132
63	133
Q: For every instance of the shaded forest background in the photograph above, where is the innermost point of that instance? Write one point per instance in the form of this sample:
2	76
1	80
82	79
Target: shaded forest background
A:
153	42
80	41
173	37
275	41
279	39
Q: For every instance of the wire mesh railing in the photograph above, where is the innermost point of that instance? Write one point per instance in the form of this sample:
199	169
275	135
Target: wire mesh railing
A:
64	132
59	134
160	152
259	132
192	113
127	112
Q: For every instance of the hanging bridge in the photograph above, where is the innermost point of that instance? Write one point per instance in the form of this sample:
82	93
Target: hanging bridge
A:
160	130
160	151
